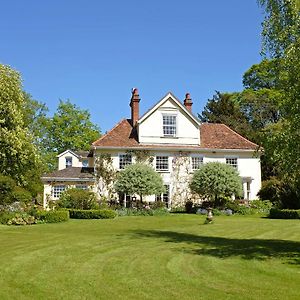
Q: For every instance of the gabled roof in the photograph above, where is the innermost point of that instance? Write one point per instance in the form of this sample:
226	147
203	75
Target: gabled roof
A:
212	136
67	151
70	174
162	101
78	154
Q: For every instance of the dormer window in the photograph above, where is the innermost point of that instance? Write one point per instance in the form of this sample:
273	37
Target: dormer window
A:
169	125
68	162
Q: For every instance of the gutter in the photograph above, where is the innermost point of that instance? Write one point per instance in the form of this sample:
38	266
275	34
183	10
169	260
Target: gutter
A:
210	150
66	179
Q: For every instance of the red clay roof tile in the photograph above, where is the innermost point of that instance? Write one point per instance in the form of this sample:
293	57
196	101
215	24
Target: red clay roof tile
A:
212	136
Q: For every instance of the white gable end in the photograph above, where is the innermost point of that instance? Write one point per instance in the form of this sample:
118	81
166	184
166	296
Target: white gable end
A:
169	122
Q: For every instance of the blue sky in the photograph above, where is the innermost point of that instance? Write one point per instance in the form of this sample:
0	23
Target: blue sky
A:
94	52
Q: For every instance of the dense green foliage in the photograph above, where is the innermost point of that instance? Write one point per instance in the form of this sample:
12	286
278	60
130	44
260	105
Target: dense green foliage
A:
276	213
52	216
69	128
78	199
18	154
16	218
92	214
170	257
139	179
7	187
215	180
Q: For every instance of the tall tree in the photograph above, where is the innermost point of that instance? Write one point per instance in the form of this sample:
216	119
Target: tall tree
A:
224	108
281	32
69	128
18	154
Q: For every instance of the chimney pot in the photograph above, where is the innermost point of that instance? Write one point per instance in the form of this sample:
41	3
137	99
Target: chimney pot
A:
134	104
188	102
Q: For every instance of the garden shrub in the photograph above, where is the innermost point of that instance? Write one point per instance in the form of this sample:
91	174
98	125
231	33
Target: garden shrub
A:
78	199
21	195
276	213
261	206
157	204
5	216
178	209
52	216
189	207
270	190
7	186
16	218
92	214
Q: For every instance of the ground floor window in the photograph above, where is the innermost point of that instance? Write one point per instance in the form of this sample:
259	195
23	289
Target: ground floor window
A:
197	162
57	190
162	163
82	186
124	160
232	161
165	197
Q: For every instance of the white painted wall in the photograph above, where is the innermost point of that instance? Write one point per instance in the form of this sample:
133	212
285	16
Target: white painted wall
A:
248	166
151	129
62	161
76	162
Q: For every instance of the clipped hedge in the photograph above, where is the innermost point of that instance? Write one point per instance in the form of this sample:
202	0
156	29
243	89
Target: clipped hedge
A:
92	214
53	216
284	213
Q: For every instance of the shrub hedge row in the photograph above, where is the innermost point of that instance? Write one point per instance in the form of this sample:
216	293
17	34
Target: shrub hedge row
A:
53	216
284	213
92	214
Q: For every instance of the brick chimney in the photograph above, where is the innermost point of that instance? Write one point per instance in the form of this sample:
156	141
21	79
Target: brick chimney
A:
188	102
134	104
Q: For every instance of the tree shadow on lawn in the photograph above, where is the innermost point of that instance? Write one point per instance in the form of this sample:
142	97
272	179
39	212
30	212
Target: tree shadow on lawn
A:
221	247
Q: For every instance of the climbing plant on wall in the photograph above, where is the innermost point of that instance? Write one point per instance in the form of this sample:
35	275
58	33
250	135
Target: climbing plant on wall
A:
105	175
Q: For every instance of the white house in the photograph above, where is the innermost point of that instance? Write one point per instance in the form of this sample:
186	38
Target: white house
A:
176	144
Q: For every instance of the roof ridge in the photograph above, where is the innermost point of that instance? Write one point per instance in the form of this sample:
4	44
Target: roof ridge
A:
108	132
236	133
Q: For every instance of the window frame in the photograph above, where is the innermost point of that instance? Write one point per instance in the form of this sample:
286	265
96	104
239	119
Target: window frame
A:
166	160
69	158
56	194
169	126
200	164
122	163
229	159
82	186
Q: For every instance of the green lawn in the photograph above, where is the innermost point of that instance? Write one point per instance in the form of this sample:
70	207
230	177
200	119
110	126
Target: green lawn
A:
167	257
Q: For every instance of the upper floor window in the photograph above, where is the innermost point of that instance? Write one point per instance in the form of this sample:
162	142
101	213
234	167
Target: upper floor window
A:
169	125
124	160
162	163
57	190
232	161
68	162
85	163
197	162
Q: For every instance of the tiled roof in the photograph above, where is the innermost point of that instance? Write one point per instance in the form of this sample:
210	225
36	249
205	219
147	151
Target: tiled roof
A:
213	136
71	173
122	135
220	136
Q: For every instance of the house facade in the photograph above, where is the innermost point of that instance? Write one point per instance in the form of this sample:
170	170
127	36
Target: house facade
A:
172	140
